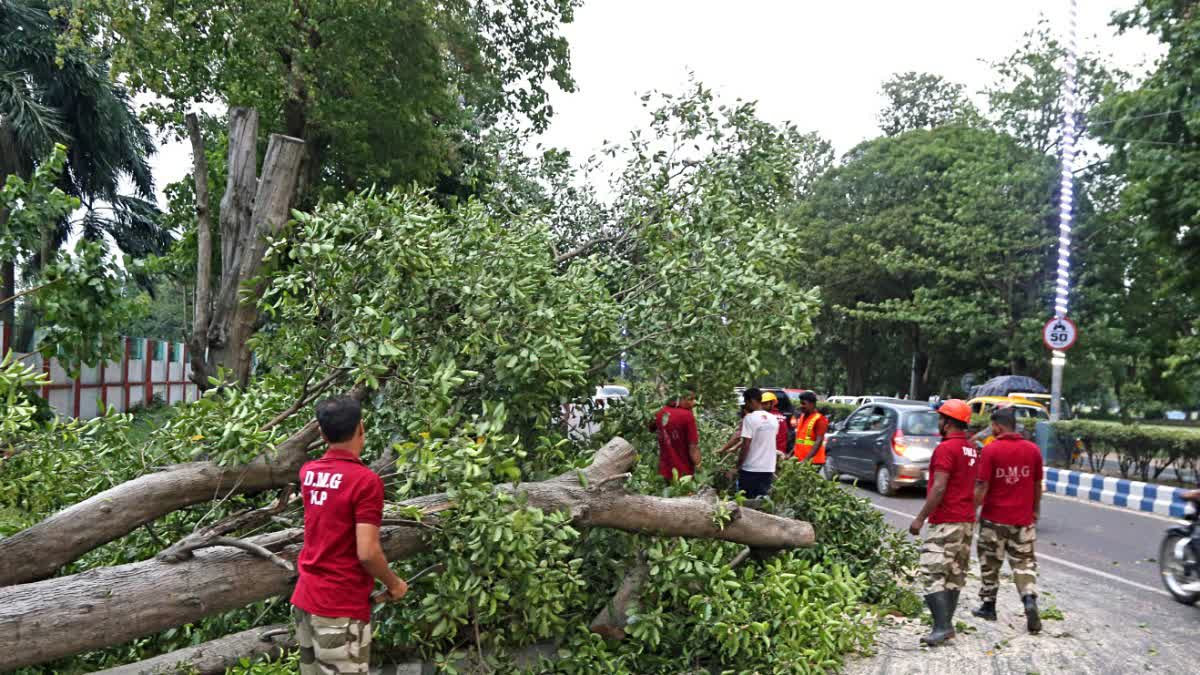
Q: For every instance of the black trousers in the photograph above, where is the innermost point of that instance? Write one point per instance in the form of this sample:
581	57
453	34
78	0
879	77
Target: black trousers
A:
755	483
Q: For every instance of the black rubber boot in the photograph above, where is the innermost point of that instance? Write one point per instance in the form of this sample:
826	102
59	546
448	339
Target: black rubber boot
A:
941	606
1033	618
986	611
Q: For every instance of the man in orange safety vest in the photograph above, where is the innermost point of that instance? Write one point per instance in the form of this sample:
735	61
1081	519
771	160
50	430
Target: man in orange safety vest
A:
811	426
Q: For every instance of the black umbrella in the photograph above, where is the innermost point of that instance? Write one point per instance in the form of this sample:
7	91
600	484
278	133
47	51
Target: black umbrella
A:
1007	384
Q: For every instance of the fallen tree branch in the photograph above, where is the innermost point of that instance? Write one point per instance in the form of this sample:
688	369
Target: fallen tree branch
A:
214	535
611	621
39	551
217	655
155	595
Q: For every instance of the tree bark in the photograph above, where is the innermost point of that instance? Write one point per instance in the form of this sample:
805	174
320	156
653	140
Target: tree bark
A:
251	209
153	595
198	343
216	656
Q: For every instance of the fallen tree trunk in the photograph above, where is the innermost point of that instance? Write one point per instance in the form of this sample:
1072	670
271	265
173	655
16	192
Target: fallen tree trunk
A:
37	552
214	657
112	605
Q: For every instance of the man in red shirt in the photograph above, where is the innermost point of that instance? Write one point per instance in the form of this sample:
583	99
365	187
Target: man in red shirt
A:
1009	488
342	556
678	437
950	508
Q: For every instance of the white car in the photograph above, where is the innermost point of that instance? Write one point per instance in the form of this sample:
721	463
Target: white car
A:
579	417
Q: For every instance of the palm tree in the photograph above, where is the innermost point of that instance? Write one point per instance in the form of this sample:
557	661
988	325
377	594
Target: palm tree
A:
46	97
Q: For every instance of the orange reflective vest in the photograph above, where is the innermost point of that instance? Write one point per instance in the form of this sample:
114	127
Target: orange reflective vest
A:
806	437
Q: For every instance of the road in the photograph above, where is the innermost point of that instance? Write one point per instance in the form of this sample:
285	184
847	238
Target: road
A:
1099	566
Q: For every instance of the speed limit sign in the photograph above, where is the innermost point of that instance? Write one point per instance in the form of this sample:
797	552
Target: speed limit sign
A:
1060	333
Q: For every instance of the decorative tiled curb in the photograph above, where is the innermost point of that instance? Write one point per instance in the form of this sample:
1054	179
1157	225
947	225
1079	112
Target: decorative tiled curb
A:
1130	494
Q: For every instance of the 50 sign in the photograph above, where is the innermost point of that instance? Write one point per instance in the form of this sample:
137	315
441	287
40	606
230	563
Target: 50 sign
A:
1060	333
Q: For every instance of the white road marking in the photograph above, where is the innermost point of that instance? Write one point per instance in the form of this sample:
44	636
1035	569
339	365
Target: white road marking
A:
1060	561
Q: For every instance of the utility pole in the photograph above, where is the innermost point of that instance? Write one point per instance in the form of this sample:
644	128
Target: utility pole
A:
1066	205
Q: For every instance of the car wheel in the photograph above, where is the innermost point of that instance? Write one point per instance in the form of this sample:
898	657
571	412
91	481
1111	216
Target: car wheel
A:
827	470
883	481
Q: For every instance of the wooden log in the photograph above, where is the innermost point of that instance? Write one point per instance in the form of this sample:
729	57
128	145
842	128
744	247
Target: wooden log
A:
215	656
112	605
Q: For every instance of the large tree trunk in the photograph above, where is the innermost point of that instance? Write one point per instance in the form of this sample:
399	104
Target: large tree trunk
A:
37	552
251	210
111	605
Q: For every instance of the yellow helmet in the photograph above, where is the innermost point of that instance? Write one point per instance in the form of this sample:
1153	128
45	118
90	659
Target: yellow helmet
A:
767	397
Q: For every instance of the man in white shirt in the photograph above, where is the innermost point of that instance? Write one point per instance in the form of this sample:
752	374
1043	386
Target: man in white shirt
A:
756	462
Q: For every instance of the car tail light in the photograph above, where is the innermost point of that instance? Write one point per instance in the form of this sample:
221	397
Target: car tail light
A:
898	445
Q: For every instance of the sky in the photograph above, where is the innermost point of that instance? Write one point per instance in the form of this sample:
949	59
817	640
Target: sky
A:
816	63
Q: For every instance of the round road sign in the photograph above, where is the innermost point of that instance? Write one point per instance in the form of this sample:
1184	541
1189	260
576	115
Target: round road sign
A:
1060	333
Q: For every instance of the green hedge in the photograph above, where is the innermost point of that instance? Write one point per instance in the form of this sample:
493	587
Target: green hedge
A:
1143	452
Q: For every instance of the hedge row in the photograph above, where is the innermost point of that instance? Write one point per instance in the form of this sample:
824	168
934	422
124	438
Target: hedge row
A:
1143	452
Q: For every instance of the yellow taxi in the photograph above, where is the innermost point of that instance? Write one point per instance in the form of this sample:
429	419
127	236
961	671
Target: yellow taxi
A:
1023	407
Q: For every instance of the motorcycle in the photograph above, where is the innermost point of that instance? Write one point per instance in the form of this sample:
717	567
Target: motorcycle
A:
1179	556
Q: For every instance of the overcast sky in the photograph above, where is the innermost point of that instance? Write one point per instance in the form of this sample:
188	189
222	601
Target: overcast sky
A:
816	63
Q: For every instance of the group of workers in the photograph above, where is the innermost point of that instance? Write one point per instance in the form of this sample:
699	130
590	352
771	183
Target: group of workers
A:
769	430
990	494
1002	485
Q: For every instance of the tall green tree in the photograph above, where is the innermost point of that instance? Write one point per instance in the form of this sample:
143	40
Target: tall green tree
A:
50	95
941	235
380	92
923	101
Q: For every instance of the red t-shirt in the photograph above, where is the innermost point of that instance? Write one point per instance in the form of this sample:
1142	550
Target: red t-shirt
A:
956	456
782	434
1012	468
676	428
338	492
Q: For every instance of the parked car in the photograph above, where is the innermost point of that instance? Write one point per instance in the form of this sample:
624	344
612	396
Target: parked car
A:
844	400
609	392
888	442
1044	401
1023	407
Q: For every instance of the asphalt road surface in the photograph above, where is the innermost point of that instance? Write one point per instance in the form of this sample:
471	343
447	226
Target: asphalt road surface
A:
1101	564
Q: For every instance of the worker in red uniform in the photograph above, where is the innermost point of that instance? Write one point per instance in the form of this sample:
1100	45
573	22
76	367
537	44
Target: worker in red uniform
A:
811	427
342	555
1009	488
678	437
950	508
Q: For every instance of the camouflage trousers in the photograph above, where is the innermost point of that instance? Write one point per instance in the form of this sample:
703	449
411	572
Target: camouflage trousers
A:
332	646
996	541
945	556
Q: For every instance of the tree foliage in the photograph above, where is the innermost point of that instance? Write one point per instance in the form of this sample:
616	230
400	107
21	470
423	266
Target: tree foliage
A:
381	92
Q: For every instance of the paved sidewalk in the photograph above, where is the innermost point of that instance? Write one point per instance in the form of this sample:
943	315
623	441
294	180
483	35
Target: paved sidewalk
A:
1105	631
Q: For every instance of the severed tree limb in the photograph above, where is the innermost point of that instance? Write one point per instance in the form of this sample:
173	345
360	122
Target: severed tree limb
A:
217	655
611	621
214	535
112	605
38	551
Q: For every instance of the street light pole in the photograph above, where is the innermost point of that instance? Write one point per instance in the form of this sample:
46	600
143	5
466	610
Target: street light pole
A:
1066	205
